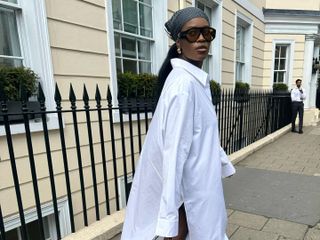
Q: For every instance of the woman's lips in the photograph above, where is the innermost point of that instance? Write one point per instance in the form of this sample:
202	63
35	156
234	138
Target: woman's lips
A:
202	49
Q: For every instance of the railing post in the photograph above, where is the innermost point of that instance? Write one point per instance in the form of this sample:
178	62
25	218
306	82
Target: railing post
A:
85	99
57	99
73	99
113	148
2	230
14	170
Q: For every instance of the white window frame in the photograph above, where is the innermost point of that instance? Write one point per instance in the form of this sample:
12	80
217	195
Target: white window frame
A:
158	50
13	222
289	63
215	61
247	23
122	189
35	50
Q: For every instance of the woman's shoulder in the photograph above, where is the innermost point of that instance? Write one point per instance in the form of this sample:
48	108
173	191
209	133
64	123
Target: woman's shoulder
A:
180	80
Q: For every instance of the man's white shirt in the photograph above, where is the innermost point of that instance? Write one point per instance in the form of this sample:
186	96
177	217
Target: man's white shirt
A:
297	96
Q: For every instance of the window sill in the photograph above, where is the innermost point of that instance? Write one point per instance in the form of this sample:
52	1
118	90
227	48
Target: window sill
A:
35	125
125	116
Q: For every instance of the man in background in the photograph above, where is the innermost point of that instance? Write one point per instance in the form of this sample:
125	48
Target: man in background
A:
298	95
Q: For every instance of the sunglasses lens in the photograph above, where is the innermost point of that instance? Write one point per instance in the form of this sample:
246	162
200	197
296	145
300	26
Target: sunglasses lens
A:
208	34
193	34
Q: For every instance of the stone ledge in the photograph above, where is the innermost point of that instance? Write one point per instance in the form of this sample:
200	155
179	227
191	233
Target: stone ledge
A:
105	229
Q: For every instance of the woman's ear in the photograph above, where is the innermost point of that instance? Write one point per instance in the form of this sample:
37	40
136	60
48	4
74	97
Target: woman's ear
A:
178	47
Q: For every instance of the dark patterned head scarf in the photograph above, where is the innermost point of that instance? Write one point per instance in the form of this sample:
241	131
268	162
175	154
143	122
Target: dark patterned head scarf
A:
180	17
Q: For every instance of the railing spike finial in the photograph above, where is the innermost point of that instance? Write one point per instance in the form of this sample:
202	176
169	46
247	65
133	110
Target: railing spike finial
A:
57	95
98	95
41	96
85	96
72	95
109	96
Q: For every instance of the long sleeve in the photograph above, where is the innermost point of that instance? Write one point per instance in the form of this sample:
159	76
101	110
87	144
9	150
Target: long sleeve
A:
227	168
303	94
177	139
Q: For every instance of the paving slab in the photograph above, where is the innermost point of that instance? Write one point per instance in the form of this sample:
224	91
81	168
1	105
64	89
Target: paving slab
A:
286	229
251	234
247	220
274	194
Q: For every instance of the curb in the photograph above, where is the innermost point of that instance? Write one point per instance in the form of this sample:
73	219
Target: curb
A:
246	151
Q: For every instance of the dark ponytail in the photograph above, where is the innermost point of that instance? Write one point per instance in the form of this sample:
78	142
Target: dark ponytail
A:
165	70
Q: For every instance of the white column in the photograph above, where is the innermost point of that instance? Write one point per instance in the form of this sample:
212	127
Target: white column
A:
307	67
313	83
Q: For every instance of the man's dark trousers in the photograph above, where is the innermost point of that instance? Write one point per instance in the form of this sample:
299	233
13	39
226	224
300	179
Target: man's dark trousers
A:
297	107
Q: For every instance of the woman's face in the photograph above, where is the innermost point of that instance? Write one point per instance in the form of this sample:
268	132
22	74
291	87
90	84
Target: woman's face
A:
194	52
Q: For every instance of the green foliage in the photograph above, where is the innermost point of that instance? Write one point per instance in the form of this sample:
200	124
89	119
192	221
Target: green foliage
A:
215	87
215	92
280	87
132	85
242	86
15	80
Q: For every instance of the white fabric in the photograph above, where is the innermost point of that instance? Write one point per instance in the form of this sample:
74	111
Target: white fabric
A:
297	96
181	162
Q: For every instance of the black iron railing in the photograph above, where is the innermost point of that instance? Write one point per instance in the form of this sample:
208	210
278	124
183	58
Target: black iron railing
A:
90	138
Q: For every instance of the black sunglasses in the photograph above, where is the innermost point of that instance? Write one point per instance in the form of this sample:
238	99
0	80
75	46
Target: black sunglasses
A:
192	34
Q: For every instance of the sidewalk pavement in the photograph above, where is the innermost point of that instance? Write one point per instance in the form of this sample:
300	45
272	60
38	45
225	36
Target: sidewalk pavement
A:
292	155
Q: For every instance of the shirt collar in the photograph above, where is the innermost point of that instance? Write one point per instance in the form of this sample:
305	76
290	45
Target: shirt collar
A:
196	72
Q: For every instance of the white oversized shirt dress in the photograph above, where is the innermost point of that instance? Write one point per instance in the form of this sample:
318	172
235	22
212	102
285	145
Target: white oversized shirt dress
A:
181	163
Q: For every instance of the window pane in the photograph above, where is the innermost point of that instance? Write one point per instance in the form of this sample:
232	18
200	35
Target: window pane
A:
280	77
33	230
11	62
276	64
12	234
275	77
130	16
9	40
200	5
144	50
146	1
282	64
277	52
129	47
239	72
117	44
145	20
205	65
116	12
283	51
144	67
129	66
118	65
10	1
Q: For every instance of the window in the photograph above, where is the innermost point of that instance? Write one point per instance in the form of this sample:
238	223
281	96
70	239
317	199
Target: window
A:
133	35
207	62
280	64
10	51
243	46
212	64
33	230
24	41
13	225
240	59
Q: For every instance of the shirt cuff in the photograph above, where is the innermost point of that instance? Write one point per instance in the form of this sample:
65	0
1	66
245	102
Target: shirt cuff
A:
166	228
227	170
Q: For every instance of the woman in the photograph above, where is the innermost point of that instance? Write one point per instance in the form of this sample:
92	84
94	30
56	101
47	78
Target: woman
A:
177	189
